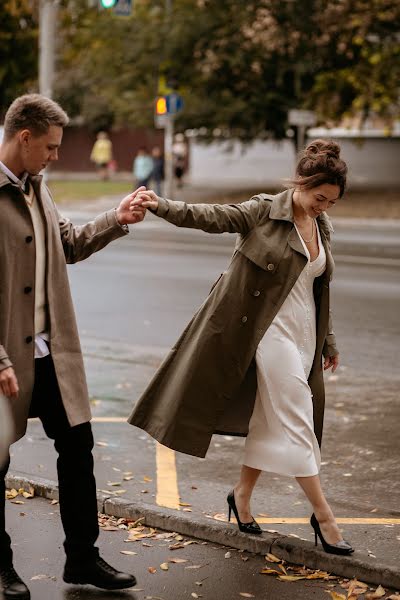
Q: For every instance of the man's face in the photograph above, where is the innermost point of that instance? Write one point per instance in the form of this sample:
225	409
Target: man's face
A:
39	151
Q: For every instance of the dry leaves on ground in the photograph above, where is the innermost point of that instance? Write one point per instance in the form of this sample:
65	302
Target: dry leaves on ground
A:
13	494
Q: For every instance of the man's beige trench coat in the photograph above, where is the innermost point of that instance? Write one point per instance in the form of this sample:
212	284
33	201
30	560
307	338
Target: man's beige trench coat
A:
64	244
207	383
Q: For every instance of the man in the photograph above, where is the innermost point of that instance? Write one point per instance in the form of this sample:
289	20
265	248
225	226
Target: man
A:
41	367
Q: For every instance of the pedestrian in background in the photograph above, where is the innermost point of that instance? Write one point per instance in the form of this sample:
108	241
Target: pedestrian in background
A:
157	175
101	155
41	366
179	154
251	360
142	168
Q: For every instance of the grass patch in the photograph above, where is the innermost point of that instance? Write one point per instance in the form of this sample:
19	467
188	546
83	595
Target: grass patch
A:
66	191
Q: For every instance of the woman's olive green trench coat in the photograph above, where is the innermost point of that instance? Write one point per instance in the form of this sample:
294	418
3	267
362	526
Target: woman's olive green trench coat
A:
207	383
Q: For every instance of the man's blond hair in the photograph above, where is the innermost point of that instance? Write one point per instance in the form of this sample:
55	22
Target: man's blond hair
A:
34	112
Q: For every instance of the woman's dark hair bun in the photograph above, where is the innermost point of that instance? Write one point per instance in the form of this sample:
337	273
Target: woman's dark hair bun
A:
320	163
318	147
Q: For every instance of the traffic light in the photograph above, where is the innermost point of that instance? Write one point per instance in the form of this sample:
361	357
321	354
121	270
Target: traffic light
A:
107	3
161	105
120	8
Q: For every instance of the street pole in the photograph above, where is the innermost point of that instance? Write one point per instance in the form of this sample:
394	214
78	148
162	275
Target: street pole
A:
168	157
47	35
168	133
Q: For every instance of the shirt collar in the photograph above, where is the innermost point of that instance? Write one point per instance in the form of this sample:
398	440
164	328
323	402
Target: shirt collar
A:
21	182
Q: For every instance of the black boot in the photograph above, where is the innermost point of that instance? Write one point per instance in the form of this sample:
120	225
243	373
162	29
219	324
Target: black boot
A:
97	573
12	584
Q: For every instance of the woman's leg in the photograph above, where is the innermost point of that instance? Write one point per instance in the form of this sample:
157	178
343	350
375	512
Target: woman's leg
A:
323	512
243	490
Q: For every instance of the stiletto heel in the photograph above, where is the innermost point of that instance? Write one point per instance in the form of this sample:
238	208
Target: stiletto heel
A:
252	527
341	547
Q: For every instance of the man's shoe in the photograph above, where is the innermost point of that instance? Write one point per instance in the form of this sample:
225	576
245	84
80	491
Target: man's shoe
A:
12	584
98	573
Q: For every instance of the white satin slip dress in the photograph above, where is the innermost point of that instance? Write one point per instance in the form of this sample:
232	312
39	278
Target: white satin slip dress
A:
281	436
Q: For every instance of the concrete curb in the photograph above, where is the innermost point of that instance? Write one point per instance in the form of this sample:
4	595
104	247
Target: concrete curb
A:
287	548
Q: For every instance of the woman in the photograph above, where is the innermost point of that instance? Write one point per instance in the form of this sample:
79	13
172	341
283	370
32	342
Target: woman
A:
251	360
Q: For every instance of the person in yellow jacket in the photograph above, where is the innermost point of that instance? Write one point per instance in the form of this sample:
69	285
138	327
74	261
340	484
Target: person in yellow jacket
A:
101	154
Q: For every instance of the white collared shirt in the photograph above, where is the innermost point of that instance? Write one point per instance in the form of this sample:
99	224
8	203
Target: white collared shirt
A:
41	348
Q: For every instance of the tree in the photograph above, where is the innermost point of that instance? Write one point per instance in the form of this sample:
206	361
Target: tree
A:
18	50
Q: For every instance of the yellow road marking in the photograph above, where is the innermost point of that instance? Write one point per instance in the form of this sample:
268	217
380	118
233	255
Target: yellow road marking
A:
340	520
167	481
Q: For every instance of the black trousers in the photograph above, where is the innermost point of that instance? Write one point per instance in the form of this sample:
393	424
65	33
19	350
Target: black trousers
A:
77	485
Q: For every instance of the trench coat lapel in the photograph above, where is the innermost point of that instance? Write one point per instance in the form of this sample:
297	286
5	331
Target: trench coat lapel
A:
282	209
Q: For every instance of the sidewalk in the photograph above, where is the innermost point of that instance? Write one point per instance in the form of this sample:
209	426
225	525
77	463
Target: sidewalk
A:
135	478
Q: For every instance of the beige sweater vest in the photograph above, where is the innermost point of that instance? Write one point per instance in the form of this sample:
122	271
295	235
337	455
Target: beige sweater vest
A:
41	320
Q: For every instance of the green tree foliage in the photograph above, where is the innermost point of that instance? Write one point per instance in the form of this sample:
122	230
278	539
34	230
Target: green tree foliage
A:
239	65
18	50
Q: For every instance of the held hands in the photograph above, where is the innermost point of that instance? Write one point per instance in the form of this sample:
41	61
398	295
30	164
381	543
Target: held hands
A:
8	383
331	361
128	216
145	199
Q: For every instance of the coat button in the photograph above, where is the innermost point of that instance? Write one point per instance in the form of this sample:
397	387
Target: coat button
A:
28	239
28	339
244	319
271	267
256	293
27	289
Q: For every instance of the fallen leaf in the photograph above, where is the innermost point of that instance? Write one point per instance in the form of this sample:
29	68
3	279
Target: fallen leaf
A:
194	567
128	552
228	554
246	595
147	479
164	566
54	502
17	502
41	576
393	597
336	596
128	477
291	577
187	510
152	570
110	528
194	595
269	572
176	546
178	560
102	444
378	593
113	483
184	504
272	558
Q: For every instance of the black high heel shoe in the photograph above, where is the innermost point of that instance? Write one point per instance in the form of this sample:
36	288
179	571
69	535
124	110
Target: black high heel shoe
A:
341	547
252	527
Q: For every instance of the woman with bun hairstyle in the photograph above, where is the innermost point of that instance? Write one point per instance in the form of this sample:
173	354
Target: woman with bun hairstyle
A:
251	360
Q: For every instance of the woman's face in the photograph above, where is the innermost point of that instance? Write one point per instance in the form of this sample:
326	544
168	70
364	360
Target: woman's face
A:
317	199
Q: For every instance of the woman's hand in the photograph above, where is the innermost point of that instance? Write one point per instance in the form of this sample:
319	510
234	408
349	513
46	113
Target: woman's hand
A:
146	199
331	361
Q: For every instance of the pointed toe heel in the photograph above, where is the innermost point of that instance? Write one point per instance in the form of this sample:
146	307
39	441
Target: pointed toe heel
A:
343	548
252	527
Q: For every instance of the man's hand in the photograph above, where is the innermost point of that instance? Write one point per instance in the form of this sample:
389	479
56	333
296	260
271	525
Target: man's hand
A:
331	361
8	383
127	216
146	199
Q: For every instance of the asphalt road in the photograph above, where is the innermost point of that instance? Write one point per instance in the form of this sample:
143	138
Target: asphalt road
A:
206	570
